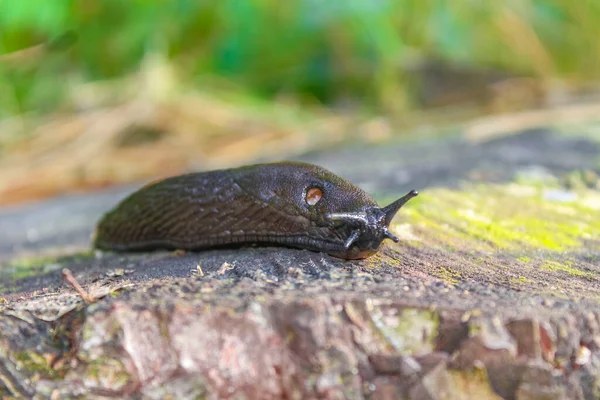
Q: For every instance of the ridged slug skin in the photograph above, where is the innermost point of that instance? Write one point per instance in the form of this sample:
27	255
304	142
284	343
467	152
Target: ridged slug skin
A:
290	204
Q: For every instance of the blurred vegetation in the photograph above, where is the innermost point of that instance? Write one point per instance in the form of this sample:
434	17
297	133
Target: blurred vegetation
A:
356	52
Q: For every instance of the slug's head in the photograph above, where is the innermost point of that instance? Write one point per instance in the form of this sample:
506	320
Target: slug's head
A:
369	227
317	208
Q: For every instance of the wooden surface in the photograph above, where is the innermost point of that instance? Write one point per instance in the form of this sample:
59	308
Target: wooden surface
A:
492	292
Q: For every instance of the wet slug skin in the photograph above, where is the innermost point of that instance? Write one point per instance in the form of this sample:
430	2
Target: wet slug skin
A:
289	204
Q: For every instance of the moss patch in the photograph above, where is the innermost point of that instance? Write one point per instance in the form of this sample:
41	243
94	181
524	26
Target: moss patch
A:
410	331
449	275
508	217
471	384
32	266
509	236
566	267
107	372
520	280
37	363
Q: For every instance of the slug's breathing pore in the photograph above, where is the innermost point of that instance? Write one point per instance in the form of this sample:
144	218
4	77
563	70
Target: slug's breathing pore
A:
289	204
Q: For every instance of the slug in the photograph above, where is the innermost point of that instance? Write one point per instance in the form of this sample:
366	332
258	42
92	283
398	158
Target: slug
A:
287	204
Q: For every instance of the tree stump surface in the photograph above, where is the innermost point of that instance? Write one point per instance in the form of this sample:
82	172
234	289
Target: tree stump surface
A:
492	293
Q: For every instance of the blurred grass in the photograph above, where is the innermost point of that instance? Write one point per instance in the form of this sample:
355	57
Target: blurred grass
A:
354	52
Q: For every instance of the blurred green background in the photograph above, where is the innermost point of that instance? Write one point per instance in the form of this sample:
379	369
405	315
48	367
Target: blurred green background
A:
379	55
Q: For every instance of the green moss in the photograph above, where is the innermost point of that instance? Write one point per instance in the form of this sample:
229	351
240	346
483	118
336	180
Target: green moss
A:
472	384
449	276
107	372
565	267
435	228
409	331
24	272
32	266
474	329
372	262
520	279
35	363
511	216
580	179
30	262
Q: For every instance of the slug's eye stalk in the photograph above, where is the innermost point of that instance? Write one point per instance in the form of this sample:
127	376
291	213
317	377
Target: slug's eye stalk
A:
391	210
369	228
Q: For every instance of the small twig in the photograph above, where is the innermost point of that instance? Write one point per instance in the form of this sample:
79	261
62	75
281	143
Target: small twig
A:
224	268
198	271
70	279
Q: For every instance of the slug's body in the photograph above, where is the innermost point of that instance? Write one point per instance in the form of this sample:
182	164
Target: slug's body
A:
290	204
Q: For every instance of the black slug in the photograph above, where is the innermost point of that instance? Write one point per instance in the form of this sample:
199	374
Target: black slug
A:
289	204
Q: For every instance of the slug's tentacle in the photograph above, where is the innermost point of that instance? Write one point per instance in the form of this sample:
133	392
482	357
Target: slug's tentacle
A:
390	235
391	210
370	225
351	239
289	204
